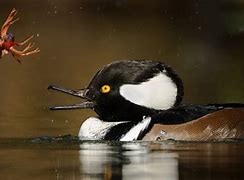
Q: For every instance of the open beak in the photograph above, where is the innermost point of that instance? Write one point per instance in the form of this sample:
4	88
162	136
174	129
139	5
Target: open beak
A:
78	93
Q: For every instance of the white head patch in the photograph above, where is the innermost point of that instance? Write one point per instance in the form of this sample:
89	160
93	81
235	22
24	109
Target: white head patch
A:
95	129
158	93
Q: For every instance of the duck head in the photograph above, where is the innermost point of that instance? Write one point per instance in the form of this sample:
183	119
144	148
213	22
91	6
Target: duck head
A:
128	91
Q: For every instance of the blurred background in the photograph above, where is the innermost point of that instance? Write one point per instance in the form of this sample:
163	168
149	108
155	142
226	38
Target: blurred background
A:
202	40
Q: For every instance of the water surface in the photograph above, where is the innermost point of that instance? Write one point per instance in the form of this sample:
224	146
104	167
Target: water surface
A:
67	157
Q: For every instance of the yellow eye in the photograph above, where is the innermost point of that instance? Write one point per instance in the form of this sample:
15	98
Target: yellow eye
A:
105	89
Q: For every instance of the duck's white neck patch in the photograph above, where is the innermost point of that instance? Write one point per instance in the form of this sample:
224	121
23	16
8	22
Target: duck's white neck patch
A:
157	93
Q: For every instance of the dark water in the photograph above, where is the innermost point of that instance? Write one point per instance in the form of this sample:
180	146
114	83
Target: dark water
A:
69	158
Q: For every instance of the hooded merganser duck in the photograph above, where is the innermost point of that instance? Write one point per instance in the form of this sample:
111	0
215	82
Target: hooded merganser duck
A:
142	100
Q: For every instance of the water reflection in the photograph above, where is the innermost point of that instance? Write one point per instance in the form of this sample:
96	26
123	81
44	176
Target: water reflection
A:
126	161
68	158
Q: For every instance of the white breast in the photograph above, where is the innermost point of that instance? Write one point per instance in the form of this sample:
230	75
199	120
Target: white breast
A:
157	93
95	129
134	132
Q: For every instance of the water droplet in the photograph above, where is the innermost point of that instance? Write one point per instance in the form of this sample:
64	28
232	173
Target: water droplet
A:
162	133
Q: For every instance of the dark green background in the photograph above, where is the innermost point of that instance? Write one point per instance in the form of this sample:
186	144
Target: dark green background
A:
202	40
